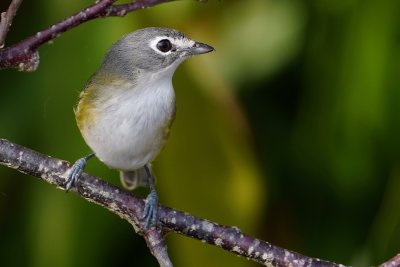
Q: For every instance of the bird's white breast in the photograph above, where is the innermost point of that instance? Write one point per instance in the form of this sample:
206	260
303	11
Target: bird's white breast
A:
129	126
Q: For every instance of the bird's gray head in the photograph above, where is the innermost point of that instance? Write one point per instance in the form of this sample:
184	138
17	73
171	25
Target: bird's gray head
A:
151	49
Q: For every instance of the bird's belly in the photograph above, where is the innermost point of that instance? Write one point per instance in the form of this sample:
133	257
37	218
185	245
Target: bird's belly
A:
126	145
129	135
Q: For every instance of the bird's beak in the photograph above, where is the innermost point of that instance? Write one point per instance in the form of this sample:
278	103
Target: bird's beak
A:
200	48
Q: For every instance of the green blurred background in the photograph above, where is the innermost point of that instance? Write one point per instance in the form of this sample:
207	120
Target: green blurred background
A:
289	131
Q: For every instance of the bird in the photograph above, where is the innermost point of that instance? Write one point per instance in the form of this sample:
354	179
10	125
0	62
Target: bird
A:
127	107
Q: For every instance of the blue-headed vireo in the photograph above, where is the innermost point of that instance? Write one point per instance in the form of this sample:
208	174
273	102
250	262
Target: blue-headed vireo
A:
127	107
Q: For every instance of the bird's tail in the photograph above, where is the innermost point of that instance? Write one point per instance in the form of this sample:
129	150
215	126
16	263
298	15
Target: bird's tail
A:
133	179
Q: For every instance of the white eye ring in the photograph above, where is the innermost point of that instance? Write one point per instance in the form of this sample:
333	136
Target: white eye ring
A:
154	45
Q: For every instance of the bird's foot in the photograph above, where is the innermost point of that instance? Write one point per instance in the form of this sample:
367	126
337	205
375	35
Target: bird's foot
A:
150	215
76	171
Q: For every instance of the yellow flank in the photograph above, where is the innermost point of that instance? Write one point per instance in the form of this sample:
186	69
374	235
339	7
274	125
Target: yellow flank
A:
166	129
85	110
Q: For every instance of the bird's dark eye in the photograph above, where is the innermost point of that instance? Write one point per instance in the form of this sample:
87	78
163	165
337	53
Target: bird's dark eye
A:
164	45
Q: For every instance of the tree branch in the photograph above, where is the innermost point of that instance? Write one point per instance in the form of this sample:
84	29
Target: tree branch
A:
130	208
155	242
393	262
6	19
122	10
24	55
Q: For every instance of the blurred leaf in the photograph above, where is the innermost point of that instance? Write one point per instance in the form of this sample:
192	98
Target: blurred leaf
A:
259	38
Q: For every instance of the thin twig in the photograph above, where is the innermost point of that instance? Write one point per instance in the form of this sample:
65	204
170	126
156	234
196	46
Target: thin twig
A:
6	19
123	9
130	208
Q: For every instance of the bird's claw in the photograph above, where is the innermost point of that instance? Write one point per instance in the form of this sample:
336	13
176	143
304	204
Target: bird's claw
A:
150	215
75	173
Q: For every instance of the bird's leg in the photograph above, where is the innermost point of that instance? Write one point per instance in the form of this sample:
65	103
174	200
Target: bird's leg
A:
76	171
151	207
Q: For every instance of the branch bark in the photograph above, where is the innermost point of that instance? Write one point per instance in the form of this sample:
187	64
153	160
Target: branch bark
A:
6	19
393	262
130	208
24	56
